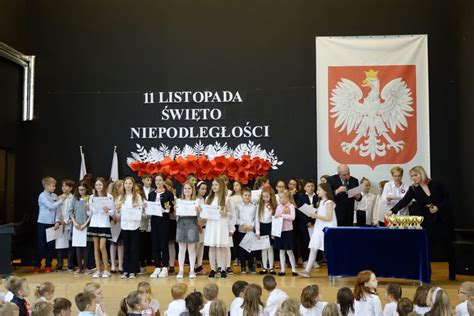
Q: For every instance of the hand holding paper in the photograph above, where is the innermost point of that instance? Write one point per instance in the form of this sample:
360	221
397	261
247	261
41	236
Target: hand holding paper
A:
354	191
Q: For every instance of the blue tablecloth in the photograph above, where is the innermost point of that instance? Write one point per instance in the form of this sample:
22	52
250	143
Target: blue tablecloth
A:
389	253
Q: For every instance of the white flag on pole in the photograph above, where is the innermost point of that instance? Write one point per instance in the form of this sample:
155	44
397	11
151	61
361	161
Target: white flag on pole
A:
114	174
83	170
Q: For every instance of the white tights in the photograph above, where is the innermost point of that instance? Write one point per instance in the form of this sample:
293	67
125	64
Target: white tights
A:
182	255
267	256
283	260
116	248
219	255
311	259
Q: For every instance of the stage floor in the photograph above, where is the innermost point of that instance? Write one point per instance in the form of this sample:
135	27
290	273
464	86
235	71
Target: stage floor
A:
114	289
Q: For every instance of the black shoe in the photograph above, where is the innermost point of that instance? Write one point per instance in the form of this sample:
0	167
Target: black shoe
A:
212	274
272	272
294	273
263	271
219	271
229	270
223	274
198	269
281	273
170	270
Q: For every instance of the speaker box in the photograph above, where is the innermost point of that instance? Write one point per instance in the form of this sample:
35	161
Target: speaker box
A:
463	257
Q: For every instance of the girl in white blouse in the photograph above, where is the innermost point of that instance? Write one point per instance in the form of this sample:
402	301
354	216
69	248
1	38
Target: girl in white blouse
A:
99	227
367	301
266	209
132	202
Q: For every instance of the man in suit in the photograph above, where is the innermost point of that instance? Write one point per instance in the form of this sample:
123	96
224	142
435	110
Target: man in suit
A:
340	184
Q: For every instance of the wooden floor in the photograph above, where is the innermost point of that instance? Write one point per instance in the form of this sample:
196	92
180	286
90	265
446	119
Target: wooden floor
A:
68	285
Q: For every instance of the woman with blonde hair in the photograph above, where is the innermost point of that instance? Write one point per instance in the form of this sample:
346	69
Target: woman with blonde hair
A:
433	203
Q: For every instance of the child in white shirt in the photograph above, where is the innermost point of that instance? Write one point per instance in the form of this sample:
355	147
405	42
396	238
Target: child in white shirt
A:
311	304
238	289
367	302
276	296
210	292
393	293
246	220
419	300
465	293
178	304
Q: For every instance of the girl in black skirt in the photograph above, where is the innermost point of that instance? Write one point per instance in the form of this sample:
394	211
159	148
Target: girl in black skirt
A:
266	209
286	241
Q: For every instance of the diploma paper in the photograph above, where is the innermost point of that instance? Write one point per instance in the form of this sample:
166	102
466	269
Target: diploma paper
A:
308	210
277	224
354	191
98	203
115	230
262	243
79	237
129	213
255	196
185	208
52	234
210	212
62	238
247	241
154	209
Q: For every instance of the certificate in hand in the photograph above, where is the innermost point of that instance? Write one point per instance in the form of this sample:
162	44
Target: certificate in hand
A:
131	213
247	241
277	224
79	237
307	210
210	212
98	203
185	208
262	243
354	191
154	209
115	229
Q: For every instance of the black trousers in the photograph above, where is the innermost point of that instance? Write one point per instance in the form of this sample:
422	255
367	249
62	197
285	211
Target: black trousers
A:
243	254
302	241
44	249
159	240
145	249
360	218
131	242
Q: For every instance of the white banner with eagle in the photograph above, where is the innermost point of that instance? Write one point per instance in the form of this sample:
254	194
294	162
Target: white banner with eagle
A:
372	104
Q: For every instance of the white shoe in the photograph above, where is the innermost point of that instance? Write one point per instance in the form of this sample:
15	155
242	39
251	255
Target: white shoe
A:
180	275
163	273
124	276
142	270
155	273
106	274
132	276
192	275
96	274
316	265
305	264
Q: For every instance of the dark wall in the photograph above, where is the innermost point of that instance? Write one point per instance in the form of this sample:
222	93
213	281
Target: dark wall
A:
95	58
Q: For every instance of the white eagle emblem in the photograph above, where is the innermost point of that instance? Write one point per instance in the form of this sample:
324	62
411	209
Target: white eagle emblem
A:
371	119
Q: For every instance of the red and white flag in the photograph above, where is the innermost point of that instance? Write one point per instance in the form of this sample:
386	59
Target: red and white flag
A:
372	104
83	170
114	174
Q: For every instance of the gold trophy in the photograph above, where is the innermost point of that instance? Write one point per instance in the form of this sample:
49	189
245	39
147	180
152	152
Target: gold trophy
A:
418	221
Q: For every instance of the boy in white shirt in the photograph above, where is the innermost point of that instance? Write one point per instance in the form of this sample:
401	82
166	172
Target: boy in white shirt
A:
85	303
178	304
465	293
238	288
246	214
210	293
276	296
393	293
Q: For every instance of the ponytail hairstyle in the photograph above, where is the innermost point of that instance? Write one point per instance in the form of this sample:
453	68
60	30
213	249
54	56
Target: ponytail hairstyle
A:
194	303
132	301
273	202
43	288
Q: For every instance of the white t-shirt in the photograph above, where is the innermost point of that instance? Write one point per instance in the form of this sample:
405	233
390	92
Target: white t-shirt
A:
461	309
316	310
205	309
176	307
235	305
152	308
370	305
262	311
274	301
390	309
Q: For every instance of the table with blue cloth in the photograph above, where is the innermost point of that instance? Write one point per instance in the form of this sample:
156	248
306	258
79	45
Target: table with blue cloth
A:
388	252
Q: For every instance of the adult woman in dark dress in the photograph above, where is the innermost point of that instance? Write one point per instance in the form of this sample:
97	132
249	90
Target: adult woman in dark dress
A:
434	207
